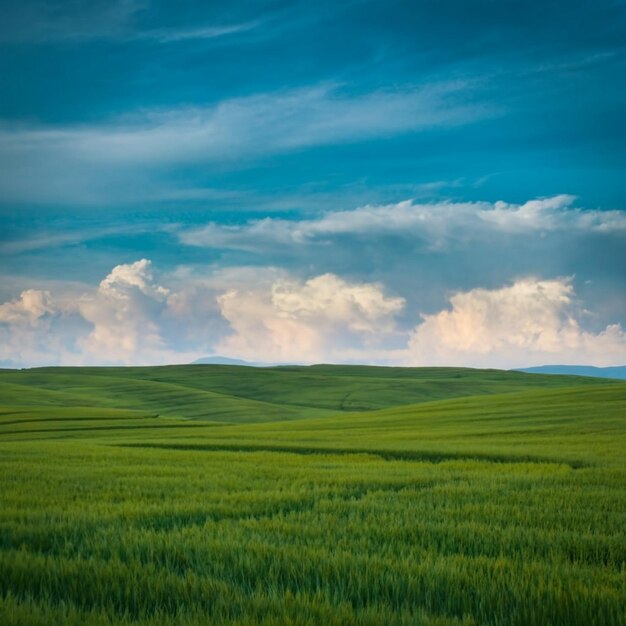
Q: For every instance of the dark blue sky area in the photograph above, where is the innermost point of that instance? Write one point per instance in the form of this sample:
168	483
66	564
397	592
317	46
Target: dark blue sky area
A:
542	84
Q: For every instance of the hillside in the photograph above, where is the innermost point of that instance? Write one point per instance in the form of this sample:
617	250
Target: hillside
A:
240	394
236	496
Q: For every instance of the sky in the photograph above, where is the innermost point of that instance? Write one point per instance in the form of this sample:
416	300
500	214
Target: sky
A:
402	182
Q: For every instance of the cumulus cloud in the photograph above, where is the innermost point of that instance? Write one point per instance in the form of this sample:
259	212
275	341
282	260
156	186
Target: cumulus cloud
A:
28	309
123	279
128	318
529	322
425	251
25	325
267	314
323	318
124	313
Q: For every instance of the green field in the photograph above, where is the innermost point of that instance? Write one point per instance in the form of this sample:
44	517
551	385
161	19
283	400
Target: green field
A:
337	495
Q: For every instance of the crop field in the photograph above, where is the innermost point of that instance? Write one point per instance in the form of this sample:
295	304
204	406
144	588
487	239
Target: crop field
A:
335	495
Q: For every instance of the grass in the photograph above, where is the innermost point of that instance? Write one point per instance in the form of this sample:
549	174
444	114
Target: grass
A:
224	495
179	390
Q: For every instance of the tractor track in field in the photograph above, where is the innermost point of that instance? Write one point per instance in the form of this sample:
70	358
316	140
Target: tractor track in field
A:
387	455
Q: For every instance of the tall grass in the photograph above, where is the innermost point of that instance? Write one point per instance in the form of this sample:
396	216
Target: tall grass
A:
497	510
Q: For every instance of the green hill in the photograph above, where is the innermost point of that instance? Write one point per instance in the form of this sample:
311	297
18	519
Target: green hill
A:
229	393
342	495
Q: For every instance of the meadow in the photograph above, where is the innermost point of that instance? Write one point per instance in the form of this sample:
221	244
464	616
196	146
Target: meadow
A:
340	495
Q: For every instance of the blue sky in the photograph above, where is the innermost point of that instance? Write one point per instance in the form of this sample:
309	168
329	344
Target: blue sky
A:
396	182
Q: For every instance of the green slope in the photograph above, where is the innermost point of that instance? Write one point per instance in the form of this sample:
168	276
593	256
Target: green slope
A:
580	426
572	424
216	392
502	508
75	388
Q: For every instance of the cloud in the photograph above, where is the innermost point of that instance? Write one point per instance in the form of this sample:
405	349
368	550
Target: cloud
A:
77	163
128	318
71	20
28	309
549	214
425	251
258	313
267	314
26	329
47	239
434	223
123	279
259	124
529	322
323	318
124	313
172	35
80	20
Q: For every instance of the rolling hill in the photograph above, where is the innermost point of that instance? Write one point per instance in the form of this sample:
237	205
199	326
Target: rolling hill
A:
342	495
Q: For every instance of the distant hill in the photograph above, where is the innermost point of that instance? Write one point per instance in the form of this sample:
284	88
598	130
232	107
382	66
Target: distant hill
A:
579	370
234	394
222	360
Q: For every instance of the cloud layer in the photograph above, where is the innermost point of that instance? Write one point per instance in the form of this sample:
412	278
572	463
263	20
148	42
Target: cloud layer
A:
79	163
424	307
434	223
142	129
425	251
264	314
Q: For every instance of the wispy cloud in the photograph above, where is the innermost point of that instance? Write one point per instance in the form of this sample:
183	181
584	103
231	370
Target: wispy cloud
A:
56	240
169	35
259	124
79	21
74	20
432	223
69	162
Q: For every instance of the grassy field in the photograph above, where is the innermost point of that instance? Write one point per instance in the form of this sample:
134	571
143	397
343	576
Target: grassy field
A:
331	495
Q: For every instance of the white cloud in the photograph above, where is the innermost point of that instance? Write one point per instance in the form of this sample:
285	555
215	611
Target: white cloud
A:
323	318
171	35
125	311
264	123
550	214
124	278
129	318
530	322
434	223
25	329
266	314
541	214
76	163
28	309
